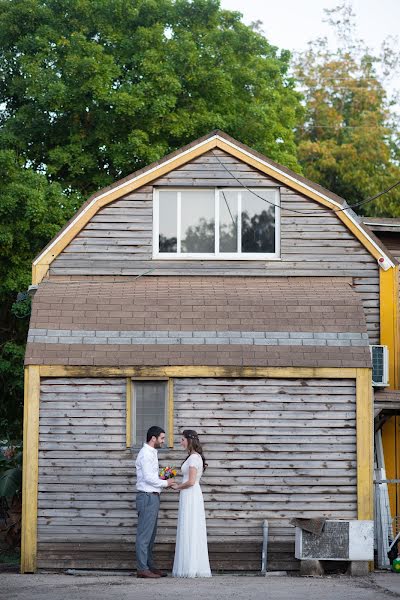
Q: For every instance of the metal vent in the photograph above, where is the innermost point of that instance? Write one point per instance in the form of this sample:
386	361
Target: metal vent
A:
380	371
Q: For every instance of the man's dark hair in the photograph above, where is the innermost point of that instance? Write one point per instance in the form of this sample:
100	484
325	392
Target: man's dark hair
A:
155	430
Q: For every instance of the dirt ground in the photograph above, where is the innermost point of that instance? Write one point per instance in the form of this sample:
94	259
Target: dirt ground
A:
222	587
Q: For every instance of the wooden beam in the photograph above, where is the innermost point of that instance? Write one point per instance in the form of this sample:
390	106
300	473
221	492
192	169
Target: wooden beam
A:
365	444
389	320
30	470
199	371
128	412
171	413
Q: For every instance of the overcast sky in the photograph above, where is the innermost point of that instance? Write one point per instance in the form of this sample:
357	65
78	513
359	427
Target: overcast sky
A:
292	23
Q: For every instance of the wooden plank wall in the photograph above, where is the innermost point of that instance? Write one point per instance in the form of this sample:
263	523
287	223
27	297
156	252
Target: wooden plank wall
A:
118	240
276	449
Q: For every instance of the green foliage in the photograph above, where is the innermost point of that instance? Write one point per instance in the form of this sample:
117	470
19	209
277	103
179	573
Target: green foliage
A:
12	385
348	141
32	210
10	471
95	89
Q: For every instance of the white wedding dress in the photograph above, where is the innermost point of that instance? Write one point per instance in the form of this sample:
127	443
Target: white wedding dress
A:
191	551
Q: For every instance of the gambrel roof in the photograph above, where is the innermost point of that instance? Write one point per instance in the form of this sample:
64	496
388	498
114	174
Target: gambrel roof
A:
215	139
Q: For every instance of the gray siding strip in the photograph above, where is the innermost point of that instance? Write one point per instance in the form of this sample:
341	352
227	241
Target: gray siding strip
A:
260	338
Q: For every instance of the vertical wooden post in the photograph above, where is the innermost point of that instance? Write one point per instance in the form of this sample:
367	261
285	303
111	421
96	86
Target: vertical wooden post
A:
170	412
30	470
365	444
128	412
389	319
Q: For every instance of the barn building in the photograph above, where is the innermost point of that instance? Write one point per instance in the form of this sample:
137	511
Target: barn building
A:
219	291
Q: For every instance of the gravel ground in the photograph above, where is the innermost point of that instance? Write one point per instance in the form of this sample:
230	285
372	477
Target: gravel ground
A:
223	587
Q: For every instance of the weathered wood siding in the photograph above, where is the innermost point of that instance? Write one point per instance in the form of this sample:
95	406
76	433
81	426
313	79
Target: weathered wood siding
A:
391	241
276	449
118	240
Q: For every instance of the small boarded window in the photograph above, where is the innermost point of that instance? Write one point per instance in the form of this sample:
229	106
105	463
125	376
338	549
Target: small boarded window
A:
149	408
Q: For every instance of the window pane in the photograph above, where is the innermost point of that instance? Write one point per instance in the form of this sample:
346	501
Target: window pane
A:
167	217
258	222
150	403
228	221
197	221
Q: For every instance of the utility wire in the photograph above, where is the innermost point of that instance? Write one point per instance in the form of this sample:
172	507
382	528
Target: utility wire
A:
300	212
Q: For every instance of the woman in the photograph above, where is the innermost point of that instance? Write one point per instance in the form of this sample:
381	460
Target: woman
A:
191	552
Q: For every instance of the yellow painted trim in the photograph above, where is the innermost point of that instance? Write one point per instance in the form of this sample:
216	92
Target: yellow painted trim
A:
24	449
41	267
389	320
391	451
365	444
39	272
170	413
130	403
128	412
30	470
199	371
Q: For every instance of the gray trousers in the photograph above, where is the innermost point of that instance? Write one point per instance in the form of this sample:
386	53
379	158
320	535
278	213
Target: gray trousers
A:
147	506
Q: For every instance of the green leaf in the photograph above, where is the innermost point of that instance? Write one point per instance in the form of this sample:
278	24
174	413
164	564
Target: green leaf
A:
10	482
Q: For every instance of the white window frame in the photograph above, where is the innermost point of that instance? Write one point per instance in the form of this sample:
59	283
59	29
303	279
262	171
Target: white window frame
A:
217	255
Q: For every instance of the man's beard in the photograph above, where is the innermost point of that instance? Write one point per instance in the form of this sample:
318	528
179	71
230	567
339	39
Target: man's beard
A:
157	445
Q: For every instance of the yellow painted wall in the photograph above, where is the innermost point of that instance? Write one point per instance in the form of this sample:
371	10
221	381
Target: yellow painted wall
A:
390	331
391	448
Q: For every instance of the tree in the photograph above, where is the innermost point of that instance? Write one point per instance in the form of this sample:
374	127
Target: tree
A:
92	90
95	89
32	210
348	140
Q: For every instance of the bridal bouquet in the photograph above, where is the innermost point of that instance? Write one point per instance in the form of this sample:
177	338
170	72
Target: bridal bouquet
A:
168	472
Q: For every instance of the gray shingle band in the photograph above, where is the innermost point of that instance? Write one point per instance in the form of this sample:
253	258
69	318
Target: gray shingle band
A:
243	338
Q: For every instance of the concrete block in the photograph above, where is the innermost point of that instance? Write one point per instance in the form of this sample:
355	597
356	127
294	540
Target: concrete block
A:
93	340
276	334
358	568
215	340
69	340
299	335
311	568
349	336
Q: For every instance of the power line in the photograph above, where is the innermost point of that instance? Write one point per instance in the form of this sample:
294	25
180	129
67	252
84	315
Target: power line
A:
337	210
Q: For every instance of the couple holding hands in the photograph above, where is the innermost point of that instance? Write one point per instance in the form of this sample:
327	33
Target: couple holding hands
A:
191	551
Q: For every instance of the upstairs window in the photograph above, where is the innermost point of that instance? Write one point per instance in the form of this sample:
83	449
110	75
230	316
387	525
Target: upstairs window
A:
216	223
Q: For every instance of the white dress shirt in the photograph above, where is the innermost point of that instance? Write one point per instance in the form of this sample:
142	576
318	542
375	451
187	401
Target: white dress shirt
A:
147	471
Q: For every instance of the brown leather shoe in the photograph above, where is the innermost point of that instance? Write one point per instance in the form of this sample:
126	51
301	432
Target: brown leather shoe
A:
147	575
158	572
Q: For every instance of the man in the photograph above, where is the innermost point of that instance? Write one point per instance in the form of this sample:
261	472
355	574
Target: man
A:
148	487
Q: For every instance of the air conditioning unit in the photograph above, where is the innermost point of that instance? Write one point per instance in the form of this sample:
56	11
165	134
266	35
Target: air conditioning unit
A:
380	366
339	540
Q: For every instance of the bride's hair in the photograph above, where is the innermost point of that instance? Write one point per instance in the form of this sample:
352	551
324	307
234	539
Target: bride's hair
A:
194	445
